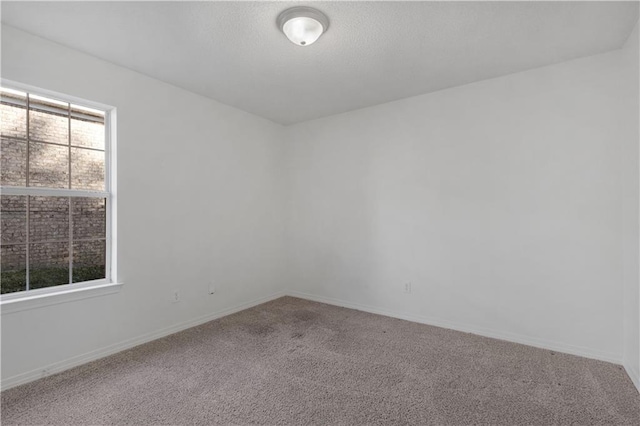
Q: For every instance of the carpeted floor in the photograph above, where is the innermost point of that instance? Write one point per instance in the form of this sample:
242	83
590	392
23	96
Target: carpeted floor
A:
292	361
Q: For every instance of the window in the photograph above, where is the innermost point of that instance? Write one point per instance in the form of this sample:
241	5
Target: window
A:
55	193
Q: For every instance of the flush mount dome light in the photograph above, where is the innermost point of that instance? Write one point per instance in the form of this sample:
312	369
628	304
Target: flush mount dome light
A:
303	25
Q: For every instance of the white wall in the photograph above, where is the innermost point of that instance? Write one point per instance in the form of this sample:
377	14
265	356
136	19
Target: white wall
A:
500	201
511	205
200	198
631	213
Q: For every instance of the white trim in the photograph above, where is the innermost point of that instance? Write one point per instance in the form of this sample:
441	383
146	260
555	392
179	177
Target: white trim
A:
51	192
52	289
11	84
495	334
33	299
111	272
633	374
130	343
75	361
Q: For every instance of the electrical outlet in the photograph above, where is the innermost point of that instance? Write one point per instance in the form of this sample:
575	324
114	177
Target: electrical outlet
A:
407	287
176	296
212	288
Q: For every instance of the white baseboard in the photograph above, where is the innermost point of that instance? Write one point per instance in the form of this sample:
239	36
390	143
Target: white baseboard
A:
495	334
633	374
130	343
75	361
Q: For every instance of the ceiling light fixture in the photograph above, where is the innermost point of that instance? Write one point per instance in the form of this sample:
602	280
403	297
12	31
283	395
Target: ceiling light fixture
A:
303	25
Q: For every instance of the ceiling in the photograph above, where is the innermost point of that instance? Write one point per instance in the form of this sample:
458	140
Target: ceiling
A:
374	52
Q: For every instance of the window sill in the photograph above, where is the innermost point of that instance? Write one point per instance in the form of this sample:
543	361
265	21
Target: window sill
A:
41	300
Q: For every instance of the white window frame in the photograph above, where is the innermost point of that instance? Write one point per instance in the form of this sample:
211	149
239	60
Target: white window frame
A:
17	301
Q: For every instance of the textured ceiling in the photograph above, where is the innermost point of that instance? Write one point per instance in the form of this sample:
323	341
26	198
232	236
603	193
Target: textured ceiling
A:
374	52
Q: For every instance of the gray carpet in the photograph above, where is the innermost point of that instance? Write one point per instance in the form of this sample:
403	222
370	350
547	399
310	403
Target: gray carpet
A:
292	361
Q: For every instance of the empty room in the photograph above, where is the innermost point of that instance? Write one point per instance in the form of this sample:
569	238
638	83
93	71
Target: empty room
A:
320	213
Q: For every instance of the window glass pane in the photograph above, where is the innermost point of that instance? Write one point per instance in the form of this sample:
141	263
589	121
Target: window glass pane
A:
48	165
14	115
88	260
87	169
13	216
47	143
48	219
48	120
13	162
89	217
48	264
87	133
13	268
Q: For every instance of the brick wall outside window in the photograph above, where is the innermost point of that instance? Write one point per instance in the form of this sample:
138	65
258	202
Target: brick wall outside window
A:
64	152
